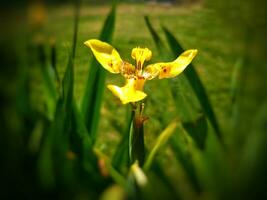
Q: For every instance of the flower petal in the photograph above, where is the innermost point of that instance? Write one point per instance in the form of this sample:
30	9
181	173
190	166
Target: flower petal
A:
151	71
105	54
127	93
172	69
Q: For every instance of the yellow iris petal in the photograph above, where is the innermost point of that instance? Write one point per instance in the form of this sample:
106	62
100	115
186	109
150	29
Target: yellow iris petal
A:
105	54
172	69
151	71
127	93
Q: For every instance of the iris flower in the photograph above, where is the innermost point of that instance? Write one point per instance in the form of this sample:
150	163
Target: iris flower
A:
136	75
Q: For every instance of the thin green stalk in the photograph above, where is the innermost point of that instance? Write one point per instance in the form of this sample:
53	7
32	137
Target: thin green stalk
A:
161	140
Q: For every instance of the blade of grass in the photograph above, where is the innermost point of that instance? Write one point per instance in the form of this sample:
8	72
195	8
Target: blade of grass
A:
93	94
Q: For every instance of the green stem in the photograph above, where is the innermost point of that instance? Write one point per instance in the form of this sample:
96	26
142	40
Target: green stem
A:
136	137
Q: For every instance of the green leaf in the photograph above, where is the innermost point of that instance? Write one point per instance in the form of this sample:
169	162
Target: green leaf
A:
53	59
77	5
67	84
164	179
159	44
45	165
118	178
187	103
95	85
197	130
56	140
236	87
121	155
48	77
81	143
189	111
195	82
161	140
181	146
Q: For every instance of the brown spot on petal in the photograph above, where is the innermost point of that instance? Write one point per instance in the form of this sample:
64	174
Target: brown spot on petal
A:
165	69
110	64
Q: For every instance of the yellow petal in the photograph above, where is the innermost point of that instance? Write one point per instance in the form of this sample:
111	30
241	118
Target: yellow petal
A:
151	71
105	54
127	93
172	69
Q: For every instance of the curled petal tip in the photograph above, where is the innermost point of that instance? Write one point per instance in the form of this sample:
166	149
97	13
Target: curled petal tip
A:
192	52
92	41
87	43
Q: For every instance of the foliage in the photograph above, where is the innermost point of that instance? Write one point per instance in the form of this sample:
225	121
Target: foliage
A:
56	143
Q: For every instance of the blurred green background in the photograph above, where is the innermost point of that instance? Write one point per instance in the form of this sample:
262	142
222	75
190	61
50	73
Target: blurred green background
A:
231	39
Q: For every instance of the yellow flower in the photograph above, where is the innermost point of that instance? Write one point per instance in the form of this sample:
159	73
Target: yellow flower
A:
136	75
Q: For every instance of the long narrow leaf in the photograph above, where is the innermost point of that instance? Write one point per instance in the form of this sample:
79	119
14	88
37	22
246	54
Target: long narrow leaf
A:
181	152
195	82
48	77
118	178
56	141
121	155
187	104
92	98
161	140
159	44
189	112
